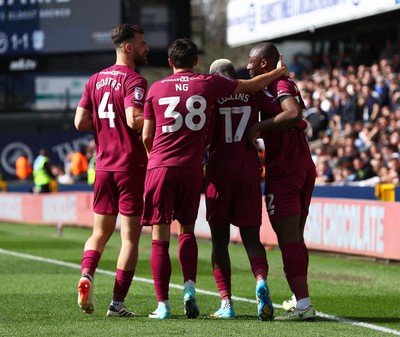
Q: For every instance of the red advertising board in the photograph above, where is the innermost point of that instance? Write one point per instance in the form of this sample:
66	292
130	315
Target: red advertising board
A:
360	227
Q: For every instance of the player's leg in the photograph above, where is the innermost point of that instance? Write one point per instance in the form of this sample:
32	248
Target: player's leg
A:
295	266
259	266
126	264
161	269
305	199
294	260
290	303
130	204
247	210
285	210
305	205
157	212
187	183
218	211
187	255
221	265
103	228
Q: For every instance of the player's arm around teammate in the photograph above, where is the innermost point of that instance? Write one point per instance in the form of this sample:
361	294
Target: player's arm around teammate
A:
177	113
290	174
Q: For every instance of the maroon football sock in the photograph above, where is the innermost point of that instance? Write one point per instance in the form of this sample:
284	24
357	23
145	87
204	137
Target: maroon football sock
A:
90	261
122	283
187	254
305	251
259	267
295	267
161	268
223	281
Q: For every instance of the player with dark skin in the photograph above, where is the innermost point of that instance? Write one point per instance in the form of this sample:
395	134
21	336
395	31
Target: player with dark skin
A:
290	174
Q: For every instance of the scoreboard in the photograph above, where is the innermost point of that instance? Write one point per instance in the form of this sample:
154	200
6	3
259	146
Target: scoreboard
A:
32	27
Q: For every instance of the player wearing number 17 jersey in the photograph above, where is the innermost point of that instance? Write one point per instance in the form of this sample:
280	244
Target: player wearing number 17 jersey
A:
177	114
233	193
112	105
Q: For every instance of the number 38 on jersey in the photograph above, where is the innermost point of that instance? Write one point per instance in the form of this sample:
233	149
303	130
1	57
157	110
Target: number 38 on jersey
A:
194	119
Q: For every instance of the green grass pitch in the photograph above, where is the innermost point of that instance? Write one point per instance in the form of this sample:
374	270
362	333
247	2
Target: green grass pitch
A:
39	272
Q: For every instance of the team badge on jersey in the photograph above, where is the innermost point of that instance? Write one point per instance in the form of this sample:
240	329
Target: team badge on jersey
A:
138	93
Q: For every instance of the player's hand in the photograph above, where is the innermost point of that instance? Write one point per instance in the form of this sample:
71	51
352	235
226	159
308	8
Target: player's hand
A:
280	62
302	126
252	136
283	66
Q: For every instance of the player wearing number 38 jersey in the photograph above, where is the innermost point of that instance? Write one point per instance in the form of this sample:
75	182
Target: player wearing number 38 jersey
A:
176	119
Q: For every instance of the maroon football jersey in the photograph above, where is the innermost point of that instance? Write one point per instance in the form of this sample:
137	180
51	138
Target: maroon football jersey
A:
286	151
181	105
107	94
229	155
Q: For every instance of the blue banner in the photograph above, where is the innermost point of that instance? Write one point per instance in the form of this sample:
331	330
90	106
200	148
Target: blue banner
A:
58	142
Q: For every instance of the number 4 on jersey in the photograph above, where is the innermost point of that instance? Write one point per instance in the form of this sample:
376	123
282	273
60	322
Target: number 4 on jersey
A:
109	113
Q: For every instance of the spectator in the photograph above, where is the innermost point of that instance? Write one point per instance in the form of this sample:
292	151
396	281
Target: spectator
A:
324	172
348	106
42	173
317	118
61	176
363	170
394	167
375	130
79	164
296	68
91	155
23	168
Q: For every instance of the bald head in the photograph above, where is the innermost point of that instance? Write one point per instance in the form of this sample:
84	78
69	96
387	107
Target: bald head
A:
223	67
267	51
263	58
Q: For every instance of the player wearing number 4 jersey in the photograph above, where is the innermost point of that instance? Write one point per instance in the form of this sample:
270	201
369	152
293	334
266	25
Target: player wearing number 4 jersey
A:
177	114
112	104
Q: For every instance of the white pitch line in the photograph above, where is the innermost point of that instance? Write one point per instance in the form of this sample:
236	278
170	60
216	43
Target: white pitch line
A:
206	292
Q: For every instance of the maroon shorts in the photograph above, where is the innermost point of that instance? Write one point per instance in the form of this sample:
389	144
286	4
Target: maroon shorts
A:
289	194
119	192
237	202
172	193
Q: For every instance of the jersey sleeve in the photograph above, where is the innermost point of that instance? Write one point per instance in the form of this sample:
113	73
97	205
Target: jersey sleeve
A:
85	101
136	88
224	86
284	87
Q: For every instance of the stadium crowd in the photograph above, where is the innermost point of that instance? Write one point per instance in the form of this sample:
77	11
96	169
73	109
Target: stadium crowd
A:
354	112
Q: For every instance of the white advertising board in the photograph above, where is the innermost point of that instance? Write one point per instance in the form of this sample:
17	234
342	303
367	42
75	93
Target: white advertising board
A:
250	21
58	92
